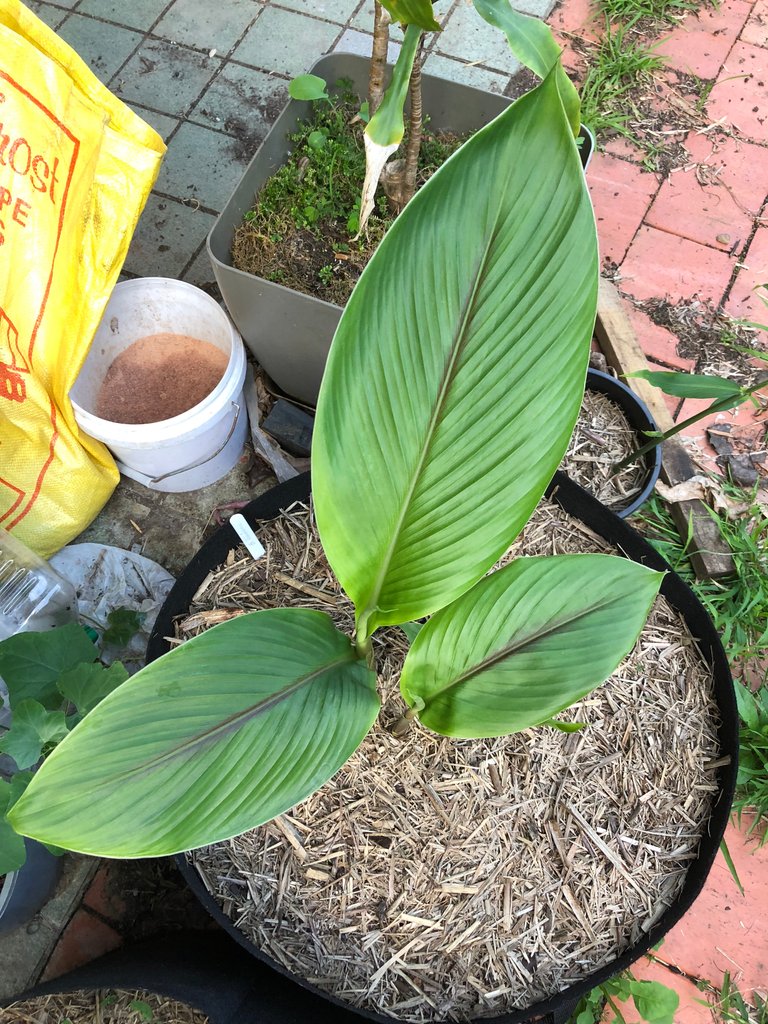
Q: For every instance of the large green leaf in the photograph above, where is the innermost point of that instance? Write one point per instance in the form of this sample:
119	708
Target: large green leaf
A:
219	735
412	12
532	42
31	663
526	642
457	371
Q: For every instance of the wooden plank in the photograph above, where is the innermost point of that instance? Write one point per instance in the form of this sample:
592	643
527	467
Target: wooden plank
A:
710	555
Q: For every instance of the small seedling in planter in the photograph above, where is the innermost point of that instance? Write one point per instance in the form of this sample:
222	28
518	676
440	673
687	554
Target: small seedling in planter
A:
54	679
453	385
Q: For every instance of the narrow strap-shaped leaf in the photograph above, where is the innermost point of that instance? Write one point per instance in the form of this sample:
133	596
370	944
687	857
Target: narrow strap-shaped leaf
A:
690	385
526	642
532	42
216	737
412	12
457	371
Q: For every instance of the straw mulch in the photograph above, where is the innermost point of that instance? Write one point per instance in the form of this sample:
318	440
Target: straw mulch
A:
601	438
435	878
101	1007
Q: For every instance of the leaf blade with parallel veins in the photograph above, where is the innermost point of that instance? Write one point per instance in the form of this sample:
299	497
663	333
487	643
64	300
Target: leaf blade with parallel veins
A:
526	642
218	736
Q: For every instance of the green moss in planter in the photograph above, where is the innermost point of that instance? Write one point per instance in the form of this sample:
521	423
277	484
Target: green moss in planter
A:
299	233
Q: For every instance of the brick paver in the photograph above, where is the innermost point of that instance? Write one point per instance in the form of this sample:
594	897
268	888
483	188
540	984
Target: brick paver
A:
744	300
620	192
740	94
701	43
666	266
717	197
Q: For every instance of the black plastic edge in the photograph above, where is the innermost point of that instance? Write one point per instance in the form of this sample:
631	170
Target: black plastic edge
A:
640	419
576	502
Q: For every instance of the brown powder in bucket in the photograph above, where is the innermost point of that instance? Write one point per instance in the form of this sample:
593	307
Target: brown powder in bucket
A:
158	377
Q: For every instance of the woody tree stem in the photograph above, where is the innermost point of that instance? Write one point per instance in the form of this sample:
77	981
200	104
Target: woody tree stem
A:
381	22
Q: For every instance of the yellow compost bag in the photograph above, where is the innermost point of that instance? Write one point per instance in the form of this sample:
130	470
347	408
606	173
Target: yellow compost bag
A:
76	166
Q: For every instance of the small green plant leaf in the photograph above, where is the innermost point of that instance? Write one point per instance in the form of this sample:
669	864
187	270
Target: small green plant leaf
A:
509	221
87	685
308	87
553	723
656	1003
143	1009
384	132
31	663
365	113
526	642
317	139
689	385
747	706
32	727
413	12
218	736
730	865
12	851
411	629
122	625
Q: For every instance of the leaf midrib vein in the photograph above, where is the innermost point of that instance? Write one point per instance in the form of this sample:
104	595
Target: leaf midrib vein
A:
235	721
509	650
456	348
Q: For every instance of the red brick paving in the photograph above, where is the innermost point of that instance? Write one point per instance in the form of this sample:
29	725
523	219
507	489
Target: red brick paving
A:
658	344
743	300
84	939
620	194
756	29
716	199
740	94
662	265
725	931
700	45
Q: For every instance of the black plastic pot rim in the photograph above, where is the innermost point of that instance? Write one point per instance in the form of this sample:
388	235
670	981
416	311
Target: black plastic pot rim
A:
618	533
639	417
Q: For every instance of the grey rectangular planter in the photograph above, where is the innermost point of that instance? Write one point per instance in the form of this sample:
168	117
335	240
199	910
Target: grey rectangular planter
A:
290	333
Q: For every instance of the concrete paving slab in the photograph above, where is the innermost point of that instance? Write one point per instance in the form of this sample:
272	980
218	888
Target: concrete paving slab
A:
286	41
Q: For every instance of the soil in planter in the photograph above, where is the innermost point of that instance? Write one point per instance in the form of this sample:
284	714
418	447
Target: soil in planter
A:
433	878
300	231
104	1006
602	437
158	377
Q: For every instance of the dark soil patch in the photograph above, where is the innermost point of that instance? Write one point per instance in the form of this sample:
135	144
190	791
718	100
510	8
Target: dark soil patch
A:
709	337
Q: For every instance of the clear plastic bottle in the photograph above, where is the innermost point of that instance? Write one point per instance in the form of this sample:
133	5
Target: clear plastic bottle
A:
33	597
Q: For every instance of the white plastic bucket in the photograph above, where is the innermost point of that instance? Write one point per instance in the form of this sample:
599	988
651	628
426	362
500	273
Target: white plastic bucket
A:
187	451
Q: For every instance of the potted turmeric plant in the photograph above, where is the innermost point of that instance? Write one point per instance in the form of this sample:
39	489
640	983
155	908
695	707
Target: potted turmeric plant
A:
452	387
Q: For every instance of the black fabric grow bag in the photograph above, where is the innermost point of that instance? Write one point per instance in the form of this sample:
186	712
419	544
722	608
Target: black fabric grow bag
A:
319	1006
205	970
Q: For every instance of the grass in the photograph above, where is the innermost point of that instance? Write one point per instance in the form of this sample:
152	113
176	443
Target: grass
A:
739	610
728	1005
618	67
662	12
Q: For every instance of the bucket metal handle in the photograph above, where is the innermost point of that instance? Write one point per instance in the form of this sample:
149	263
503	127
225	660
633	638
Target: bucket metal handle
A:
202	462
148	481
